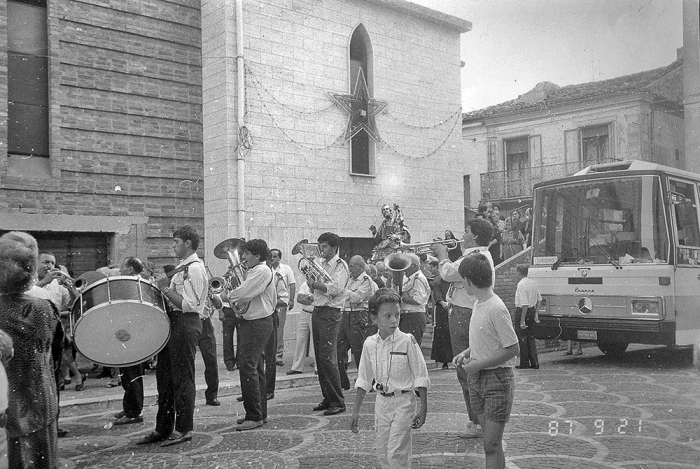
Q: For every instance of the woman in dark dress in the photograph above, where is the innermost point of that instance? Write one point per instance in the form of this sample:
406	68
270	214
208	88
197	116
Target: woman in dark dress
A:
31	323
442	345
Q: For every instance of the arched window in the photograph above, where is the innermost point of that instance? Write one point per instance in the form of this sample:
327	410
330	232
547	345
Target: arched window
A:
362	147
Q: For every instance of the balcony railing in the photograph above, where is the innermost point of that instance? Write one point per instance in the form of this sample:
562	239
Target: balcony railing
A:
499	185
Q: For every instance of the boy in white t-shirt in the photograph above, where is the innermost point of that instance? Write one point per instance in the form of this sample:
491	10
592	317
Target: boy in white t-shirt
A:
393	365
489	359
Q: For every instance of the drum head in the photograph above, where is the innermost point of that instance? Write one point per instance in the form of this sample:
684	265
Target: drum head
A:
121	333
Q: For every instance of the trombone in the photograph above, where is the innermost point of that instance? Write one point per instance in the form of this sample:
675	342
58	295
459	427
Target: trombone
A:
307	264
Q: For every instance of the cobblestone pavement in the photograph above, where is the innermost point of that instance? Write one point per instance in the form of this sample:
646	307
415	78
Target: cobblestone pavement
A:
638	411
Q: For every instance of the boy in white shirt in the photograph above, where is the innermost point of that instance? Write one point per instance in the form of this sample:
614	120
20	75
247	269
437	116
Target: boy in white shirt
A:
489	359
527	302
394	362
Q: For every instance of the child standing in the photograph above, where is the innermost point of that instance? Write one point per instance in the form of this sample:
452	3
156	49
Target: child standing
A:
527	302
393	361
489	359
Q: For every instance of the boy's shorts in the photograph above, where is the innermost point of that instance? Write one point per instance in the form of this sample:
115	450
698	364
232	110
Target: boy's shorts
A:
491	393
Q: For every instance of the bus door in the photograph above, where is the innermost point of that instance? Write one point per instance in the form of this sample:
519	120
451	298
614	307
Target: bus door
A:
684	220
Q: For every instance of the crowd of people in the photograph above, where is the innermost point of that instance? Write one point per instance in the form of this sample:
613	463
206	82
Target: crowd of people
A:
511	234
376	313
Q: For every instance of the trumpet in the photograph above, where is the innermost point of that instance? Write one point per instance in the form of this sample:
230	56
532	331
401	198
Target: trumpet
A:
307	264
424	248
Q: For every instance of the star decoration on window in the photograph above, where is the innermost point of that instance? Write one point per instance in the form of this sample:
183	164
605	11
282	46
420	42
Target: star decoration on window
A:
361	108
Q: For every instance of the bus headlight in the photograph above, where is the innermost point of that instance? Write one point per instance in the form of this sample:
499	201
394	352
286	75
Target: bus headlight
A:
647	307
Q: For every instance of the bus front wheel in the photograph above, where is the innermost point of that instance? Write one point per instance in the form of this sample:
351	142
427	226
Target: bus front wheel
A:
613	349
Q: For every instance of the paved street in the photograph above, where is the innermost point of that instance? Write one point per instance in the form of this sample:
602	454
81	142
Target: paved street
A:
638	411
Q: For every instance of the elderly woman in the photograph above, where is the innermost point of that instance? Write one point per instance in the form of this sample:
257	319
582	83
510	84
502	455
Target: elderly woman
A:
31	323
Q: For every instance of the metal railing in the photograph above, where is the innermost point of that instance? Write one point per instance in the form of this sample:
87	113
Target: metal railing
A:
498	185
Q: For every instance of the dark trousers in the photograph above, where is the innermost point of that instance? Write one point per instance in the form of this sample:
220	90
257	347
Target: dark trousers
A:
459	336
526	337
351	336
413	323
207	345
271	355
253	337
175	375
229	329
132	383
325	324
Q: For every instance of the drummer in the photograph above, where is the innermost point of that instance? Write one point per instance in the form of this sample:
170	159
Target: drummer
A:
131	376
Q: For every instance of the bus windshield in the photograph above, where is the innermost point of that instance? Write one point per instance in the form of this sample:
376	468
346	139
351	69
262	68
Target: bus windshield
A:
604	221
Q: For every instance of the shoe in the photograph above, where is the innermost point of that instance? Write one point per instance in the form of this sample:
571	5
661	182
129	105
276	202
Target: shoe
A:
81	385
322	406
94	368
521	367
119	415
62	387
279	363
578	352
473	431
153	437
242	419
66	380
112	384
334	410
568	352
270	396
294	372
231	368
214	402
536	367
445	366
176	438
61	433
249	425
346	388
127	420
239	398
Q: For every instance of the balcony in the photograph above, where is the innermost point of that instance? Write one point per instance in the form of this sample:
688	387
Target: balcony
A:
503	185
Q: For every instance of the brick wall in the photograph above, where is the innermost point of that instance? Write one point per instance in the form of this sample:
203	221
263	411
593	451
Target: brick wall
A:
125	123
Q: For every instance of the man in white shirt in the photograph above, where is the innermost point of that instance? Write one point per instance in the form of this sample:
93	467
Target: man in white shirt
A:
527	302
290	281
477	235
414	297
354	321
304	335
175	375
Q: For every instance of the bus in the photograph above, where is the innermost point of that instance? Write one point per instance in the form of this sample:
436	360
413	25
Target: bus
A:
616	256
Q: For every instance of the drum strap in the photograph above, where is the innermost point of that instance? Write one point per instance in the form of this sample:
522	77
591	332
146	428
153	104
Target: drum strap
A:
185	276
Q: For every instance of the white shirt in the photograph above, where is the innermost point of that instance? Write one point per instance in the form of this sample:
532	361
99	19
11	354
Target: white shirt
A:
491	330
193	289
396	362
449	272
358	291
334	297
259	290
305	290
527	294
59	295
417	287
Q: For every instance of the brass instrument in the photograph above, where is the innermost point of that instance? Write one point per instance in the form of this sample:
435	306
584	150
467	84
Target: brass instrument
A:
217	285
307	264
236	274
424	248
397	263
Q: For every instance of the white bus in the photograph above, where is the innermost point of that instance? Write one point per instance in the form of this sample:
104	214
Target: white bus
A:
616	255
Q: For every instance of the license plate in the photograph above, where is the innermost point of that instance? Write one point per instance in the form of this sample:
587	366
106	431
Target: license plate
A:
587	335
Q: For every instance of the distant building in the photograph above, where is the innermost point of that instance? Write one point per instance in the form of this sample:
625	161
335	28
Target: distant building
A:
554	131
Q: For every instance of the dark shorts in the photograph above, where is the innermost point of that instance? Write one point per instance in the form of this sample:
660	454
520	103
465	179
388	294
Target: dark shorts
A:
491	393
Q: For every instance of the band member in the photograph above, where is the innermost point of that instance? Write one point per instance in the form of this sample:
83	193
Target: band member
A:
477	235
325	322
353	325
287	304
131	376
416	292
254	331
187	291
271	349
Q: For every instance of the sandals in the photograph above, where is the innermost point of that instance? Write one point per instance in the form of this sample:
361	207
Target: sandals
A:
80	386
112	384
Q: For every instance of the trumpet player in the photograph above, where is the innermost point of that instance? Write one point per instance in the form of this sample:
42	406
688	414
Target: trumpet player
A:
325	322
414	297
254	331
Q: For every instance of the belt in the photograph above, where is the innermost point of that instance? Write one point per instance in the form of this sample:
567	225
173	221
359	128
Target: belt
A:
392	394
179	311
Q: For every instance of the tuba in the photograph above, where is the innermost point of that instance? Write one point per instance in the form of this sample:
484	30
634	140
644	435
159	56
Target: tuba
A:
236	274
307	264
397	263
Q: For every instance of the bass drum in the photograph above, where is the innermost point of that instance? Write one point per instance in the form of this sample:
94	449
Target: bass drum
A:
120	321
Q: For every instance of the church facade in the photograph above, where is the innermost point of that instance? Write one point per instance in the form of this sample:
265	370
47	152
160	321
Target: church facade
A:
316	113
